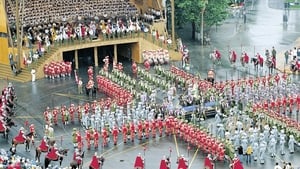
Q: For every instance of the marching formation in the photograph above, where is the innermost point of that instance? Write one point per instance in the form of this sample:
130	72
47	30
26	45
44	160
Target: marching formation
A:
57	69
145	107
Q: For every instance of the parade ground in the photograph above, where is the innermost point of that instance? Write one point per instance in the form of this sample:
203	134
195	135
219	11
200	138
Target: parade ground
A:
264	29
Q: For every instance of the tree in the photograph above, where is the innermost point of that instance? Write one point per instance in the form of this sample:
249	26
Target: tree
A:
216	12
189	11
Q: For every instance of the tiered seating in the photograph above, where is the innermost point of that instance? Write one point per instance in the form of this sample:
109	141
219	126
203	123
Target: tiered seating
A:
37	11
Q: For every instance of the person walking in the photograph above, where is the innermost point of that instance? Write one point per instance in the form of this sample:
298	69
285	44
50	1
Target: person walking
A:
80	84
33	71
286	56
249	152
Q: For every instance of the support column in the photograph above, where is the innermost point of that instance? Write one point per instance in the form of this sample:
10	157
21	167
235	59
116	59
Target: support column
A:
96	56
115	54
76	59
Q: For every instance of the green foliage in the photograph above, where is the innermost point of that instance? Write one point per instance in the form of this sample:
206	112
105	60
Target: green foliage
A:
216	12
189	11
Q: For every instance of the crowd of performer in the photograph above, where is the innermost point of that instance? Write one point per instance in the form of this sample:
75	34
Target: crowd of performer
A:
57	69
143	118
7	106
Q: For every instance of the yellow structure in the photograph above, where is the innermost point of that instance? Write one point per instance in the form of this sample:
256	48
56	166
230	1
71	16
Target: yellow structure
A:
4	50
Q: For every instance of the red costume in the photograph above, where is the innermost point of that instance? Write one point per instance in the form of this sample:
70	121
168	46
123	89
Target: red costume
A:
115	133
217	54
147	129
104	137
124	132
139	163
140	129
233	56
43	146
163	164
79	140
246	58
20	138
153	128
55	116
134	68
132	131
96	138
160	127
90	72
232	85
291	103
298	102
2	126
72	112
236	164
52	155
182	163
88	138
95	163
277	78
208	164
147	65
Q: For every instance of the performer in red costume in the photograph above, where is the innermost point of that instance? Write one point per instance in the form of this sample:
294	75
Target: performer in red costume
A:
182	163
53	154
124	132
277	79
132	131
147	65
208	162
77	157
115	133
147	128
153	128
95	164
88	137
96	139
160	126
232	56
291	103
44	145
134	68
104	137
20	138
90	72
164	163
298	102
79	140
55	116
140	129
232	85
139	162
72	110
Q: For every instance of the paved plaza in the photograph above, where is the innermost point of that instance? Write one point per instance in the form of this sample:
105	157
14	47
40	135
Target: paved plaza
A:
264	28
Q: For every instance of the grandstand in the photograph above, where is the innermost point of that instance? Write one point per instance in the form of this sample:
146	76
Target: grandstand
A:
52	28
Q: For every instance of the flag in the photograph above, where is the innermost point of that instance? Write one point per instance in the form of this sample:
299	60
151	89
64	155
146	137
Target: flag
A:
208	164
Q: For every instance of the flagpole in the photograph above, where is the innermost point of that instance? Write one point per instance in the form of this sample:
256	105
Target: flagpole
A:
193	158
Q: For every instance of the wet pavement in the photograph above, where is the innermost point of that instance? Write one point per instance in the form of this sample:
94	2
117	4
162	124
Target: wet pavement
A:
264	29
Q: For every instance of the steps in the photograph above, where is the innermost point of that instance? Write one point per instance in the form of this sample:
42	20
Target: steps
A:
25	75
55	55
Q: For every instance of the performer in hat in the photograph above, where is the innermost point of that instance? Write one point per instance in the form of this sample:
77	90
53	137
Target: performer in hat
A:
139	162
94	164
